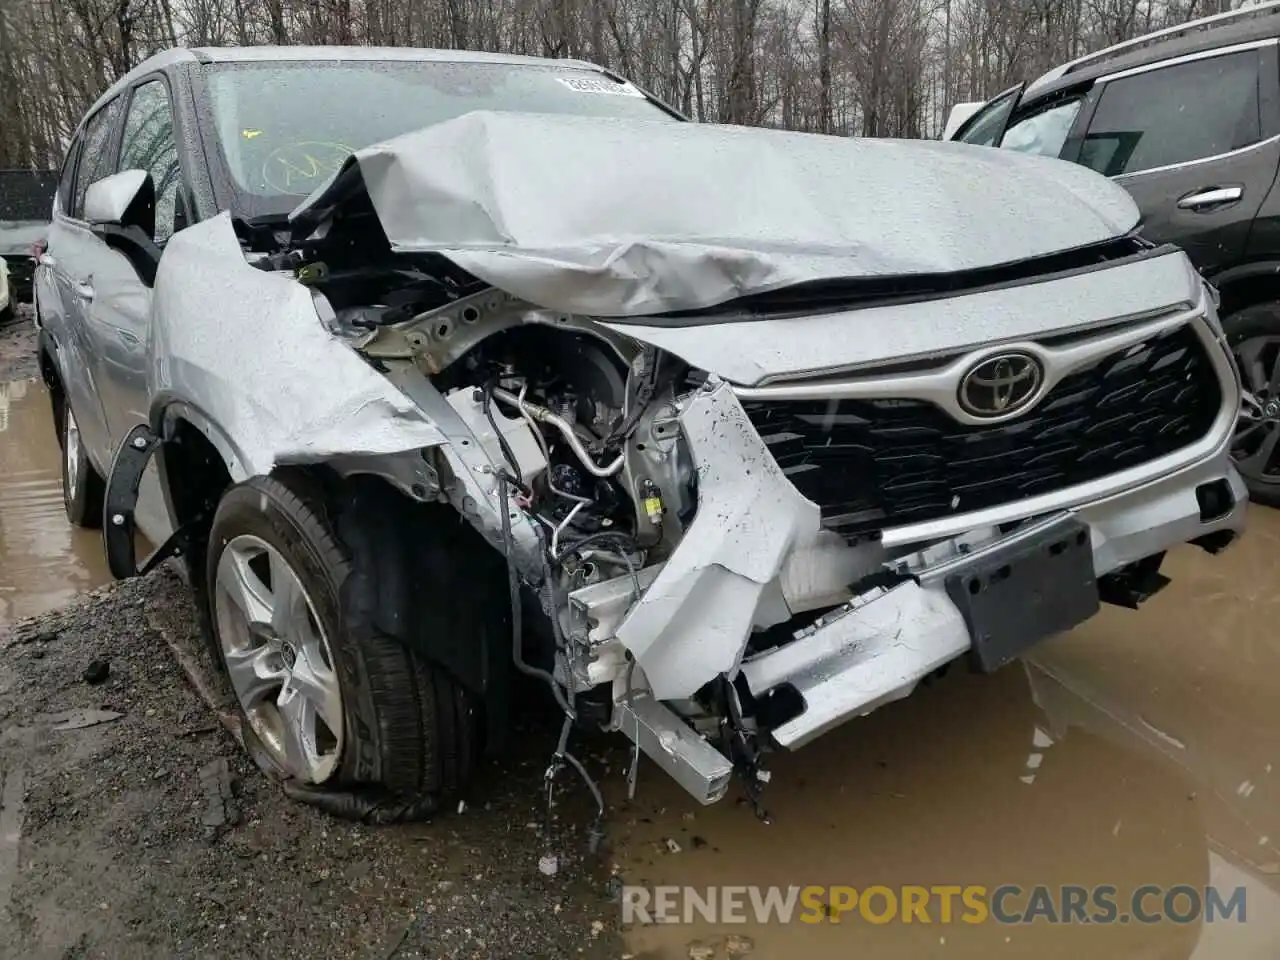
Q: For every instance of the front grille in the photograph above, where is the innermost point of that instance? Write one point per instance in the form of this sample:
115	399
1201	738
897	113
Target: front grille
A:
880	463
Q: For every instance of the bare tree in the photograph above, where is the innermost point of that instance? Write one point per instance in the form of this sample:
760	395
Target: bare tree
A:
845	67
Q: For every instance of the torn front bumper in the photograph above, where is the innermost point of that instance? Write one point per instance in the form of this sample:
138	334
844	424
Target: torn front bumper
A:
736	568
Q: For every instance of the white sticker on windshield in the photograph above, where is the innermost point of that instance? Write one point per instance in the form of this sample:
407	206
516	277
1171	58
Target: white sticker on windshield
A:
600	85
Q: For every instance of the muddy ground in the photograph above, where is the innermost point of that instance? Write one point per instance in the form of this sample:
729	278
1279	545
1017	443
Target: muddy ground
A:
133	841
1142	748
18	346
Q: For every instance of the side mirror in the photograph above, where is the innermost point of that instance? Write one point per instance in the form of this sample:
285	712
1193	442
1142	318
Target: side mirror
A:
109	200
121	209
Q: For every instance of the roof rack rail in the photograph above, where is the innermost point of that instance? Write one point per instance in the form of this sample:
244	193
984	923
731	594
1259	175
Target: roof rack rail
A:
1168	33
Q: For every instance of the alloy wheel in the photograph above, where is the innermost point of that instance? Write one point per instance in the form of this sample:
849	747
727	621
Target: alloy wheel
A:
1257	436
278	659
71	450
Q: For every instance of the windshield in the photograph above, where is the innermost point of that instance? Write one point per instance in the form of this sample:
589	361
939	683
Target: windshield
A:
283	128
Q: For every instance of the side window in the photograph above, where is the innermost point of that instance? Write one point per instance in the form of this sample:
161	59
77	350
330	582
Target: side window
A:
1043	133
1175	114
150	144
67	178
96	153
984	127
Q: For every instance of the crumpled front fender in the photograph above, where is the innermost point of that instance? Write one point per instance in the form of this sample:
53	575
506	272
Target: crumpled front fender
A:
248	350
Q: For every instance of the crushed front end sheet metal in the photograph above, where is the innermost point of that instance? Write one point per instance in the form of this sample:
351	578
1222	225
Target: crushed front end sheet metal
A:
274	386
615	464
694	620
540	207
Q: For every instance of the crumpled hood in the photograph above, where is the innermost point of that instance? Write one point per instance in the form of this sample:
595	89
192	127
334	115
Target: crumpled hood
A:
618	218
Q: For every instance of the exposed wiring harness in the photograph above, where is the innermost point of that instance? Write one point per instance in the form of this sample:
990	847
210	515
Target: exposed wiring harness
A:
517	604
561	756
642	384
507	453
621	540
641	389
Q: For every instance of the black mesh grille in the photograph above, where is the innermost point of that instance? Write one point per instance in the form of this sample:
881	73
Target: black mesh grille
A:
876	463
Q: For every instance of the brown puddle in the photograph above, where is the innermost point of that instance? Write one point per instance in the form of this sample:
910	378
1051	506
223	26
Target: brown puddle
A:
1144	748
44	562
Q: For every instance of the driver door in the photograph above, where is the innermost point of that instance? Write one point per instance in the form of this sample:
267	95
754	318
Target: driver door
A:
120	314
121	295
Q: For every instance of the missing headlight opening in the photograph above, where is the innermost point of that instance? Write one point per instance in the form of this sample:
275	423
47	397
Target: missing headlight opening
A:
579	428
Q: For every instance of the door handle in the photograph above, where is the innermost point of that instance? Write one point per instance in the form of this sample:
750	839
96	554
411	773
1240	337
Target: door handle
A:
83	289
1211	197
46	261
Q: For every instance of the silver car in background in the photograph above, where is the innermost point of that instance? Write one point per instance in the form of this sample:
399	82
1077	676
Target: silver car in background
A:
438	369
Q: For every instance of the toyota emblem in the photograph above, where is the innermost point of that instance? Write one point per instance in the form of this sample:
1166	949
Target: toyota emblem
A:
1000	385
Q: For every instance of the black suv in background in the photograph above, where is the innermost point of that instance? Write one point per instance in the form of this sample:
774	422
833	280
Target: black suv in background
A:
1188	121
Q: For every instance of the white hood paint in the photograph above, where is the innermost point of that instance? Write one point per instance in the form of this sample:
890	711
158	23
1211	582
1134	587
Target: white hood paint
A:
626	218
748	352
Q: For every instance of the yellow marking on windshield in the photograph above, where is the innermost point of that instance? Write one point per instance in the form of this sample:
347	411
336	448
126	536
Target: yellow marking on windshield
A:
250	134
294	168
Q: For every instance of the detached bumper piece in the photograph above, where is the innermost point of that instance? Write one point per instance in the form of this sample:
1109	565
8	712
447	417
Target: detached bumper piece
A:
996	602
670	743
871	651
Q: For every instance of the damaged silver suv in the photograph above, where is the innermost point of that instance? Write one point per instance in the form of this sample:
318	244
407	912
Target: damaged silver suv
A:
438	368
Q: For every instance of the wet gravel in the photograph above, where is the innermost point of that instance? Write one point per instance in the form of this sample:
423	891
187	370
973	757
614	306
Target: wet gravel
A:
18	345
145	830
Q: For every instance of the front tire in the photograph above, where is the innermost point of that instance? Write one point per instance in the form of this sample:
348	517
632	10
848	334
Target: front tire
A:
356	722
1254	337
83	489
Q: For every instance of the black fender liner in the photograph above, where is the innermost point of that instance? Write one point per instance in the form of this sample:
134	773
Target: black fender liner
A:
118	524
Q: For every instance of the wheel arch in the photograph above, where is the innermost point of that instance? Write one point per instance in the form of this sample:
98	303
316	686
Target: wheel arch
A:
397	544
51	374
1247	284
